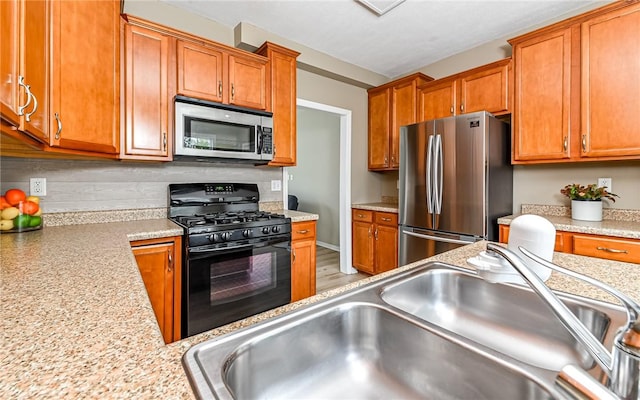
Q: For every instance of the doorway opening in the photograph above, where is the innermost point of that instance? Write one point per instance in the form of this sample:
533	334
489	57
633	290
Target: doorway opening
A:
344	184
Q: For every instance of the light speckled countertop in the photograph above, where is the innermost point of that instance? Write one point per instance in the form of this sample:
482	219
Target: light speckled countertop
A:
385	207
77	323
623	229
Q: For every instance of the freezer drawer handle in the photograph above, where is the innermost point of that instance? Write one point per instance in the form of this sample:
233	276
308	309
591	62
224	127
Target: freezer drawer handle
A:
438	238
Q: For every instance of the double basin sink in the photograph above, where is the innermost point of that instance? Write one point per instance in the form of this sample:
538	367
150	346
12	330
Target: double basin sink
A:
434	332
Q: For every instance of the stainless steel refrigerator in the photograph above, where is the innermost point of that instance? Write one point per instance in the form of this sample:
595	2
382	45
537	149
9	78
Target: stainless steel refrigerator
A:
456	180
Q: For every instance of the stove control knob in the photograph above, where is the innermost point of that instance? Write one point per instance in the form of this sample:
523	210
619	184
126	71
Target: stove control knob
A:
247	233
213	237
265	230
275	229
225	236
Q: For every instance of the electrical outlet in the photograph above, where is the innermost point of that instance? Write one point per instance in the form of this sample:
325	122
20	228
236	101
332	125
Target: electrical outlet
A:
276	185
605	182
38	187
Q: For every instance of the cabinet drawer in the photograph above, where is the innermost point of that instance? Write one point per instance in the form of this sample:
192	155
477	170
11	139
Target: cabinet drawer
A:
606	247
303	230
383	218
362	215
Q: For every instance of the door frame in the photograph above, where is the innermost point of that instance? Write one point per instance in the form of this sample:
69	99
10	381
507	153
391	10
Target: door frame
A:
346	266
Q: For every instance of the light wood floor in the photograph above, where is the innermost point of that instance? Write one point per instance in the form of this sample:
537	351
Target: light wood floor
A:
328	275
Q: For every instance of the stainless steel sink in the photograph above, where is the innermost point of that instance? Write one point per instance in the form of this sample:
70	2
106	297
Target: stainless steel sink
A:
435	331
360	351
506	318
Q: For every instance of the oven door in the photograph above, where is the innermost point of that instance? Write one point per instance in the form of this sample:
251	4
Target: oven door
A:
225	285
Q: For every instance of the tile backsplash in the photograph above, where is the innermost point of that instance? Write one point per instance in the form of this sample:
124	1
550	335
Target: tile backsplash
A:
79	185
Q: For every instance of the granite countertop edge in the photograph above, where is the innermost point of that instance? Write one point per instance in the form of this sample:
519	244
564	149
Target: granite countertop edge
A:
77	321
379	206
622	229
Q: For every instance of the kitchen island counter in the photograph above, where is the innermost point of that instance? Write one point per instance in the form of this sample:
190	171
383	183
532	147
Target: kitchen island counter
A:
77	322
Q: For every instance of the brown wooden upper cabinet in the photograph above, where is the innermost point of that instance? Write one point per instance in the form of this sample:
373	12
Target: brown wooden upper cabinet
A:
161	62
282	102
577	90
147	133
483	88
391	106
214	73
24	66
61	61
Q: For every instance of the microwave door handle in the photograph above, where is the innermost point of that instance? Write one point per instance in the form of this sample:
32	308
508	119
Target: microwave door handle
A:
260	138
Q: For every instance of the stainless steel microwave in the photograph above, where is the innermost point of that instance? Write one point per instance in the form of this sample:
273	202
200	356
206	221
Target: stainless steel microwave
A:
209	131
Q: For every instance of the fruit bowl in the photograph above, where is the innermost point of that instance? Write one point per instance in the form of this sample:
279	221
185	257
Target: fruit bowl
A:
19	212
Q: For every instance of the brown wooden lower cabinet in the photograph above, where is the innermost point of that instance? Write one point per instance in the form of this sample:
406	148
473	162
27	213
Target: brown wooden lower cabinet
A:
599	246
160	264
375	241
303	260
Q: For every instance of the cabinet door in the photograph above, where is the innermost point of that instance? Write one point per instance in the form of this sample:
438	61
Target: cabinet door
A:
485	90
24	59
200	71
379	125
156	268
386	248
303	271
403	112
10	91
146	95
610	86
85	93
363	246
437	100
542	97
248	81
283	102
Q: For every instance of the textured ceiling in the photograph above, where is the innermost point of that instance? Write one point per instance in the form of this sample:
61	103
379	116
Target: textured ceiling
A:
412	35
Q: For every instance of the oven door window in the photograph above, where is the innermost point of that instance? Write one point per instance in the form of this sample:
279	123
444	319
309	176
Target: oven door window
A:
228	285
219	135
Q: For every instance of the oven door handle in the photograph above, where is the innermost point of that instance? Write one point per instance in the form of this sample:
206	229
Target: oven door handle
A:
242	246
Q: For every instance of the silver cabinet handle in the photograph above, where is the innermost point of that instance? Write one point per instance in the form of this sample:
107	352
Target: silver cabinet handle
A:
274	150
369	232
59	126
375	234
462	107
293	253
584	142
170	262
451	110
565	143
220	88
303	232
164	141
27	90
360	215
608	250
386	219
233	91
35	107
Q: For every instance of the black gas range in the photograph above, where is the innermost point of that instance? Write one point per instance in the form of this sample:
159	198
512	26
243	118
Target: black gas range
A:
237	259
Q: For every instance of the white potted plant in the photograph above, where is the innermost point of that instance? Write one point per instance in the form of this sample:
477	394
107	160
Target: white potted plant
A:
586	201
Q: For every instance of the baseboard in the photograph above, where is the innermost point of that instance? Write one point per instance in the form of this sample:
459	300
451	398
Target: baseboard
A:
328	246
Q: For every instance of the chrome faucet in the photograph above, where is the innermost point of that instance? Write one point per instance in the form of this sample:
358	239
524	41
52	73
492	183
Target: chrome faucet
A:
621	365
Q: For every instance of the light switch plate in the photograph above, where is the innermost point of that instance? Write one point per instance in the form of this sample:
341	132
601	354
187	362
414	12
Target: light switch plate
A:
276	185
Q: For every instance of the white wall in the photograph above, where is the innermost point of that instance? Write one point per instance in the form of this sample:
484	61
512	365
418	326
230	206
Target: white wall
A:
78	185
316	180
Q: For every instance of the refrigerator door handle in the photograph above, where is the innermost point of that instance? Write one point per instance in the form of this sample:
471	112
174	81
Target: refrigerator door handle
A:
438	238
439	167
428	175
